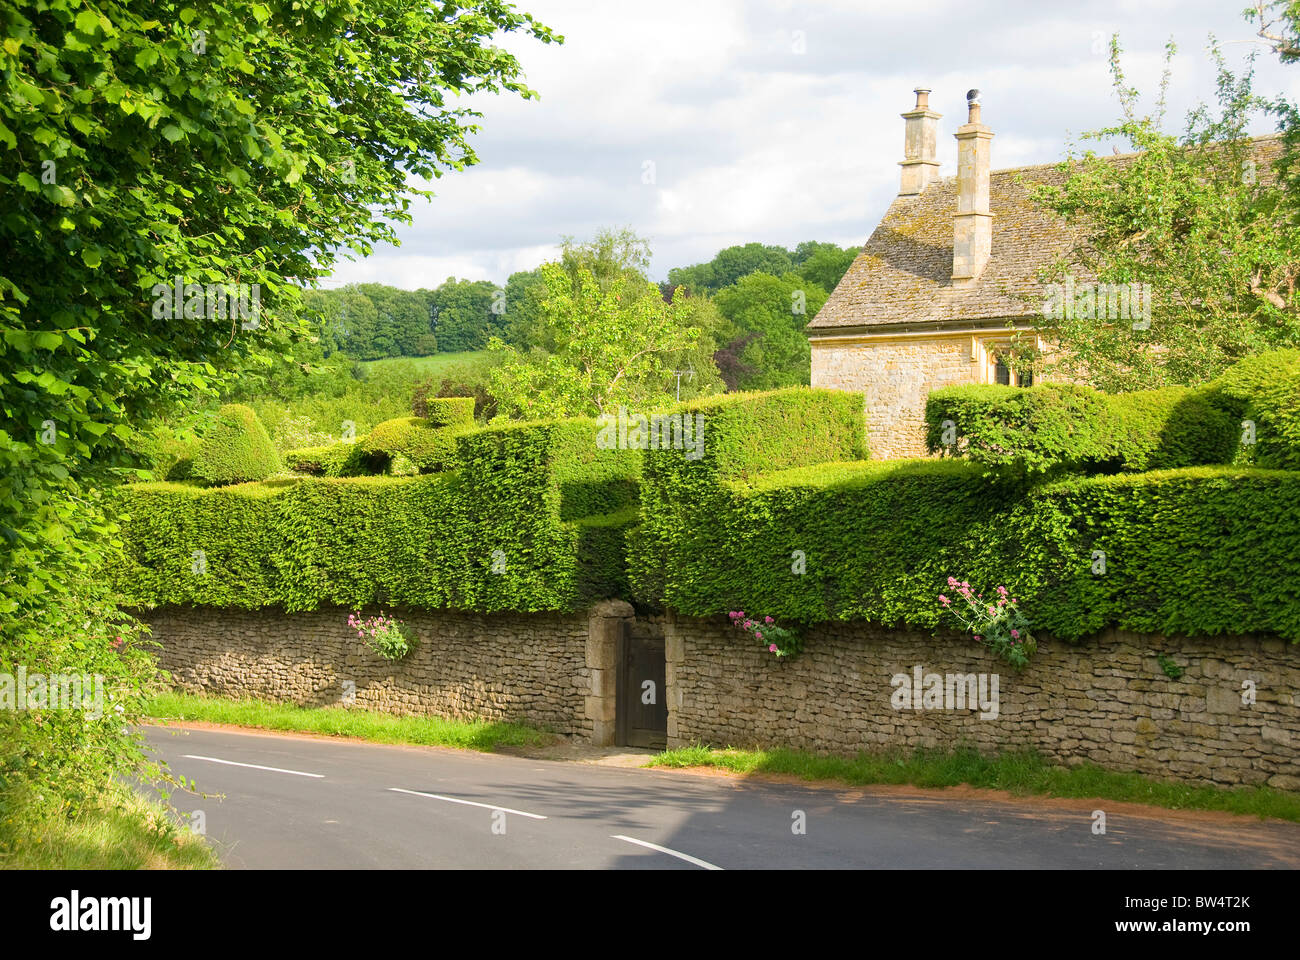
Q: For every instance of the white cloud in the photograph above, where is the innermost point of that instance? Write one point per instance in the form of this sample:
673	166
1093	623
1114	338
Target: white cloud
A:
751	140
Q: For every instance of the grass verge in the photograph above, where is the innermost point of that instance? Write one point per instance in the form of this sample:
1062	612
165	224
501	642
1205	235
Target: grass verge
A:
120	831
346	722
1020	773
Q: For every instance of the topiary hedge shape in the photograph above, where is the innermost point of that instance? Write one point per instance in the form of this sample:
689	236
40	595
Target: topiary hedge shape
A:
428	445
235	449
331	460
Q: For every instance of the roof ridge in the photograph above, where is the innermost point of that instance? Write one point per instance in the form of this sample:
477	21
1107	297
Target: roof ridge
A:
1117	156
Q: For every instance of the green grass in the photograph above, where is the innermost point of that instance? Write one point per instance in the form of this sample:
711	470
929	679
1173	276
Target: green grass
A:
346	722
437	365
122	831
1018	773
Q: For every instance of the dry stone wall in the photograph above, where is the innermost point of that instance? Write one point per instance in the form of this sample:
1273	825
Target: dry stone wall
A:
1232	717
526	667
1106	700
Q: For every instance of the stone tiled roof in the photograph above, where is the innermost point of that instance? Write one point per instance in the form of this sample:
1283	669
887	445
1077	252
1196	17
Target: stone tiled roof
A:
904	273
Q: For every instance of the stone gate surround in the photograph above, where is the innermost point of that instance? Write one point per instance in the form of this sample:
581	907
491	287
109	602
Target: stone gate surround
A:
1231	717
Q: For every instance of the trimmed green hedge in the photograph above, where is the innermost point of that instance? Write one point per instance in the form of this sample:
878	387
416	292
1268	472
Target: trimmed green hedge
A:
449	411
745	435
495	534
332	460
235	449
167	455
186	544
1057	427
1183	549
1265	390
769	506
432	449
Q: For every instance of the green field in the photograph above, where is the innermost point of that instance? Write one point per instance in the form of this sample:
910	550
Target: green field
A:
443	365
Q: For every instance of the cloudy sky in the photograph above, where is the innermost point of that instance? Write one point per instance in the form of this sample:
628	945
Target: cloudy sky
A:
706	123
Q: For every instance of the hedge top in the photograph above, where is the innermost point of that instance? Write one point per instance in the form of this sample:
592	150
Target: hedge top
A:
1250	414
752	433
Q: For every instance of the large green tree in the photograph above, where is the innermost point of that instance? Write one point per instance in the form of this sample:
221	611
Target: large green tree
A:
150	143
607	345
826	265
403	315
467	313
763	344
1200	220
816	261
613	253
525	291
730	264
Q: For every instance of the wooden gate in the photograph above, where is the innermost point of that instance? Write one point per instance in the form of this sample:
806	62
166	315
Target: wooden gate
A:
641	710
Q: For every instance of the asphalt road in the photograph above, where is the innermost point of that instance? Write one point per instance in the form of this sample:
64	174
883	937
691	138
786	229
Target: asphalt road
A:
294	802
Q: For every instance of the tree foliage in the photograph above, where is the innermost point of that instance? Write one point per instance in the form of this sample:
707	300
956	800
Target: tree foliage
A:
764	342
1201	219
466	314
605	345
149	146
817	262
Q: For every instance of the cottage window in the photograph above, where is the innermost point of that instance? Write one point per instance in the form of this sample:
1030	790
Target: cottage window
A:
997	370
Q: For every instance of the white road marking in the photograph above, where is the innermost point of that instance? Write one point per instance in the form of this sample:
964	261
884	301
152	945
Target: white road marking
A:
672	853
255	766
468	803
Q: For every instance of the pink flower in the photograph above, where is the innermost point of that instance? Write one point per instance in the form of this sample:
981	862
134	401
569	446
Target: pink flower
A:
1002	590
758	634
992	611
772	648
768	620
952	582
944	600
749	624
978	637
1016	634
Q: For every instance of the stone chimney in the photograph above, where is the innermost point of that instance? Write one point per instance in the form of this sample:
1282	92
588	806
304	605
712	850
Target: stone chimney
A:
973	223
920	136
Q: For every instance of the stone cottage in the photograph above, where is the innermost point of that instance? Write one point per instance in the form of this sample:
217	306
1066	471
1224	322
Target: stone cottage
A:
947	282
